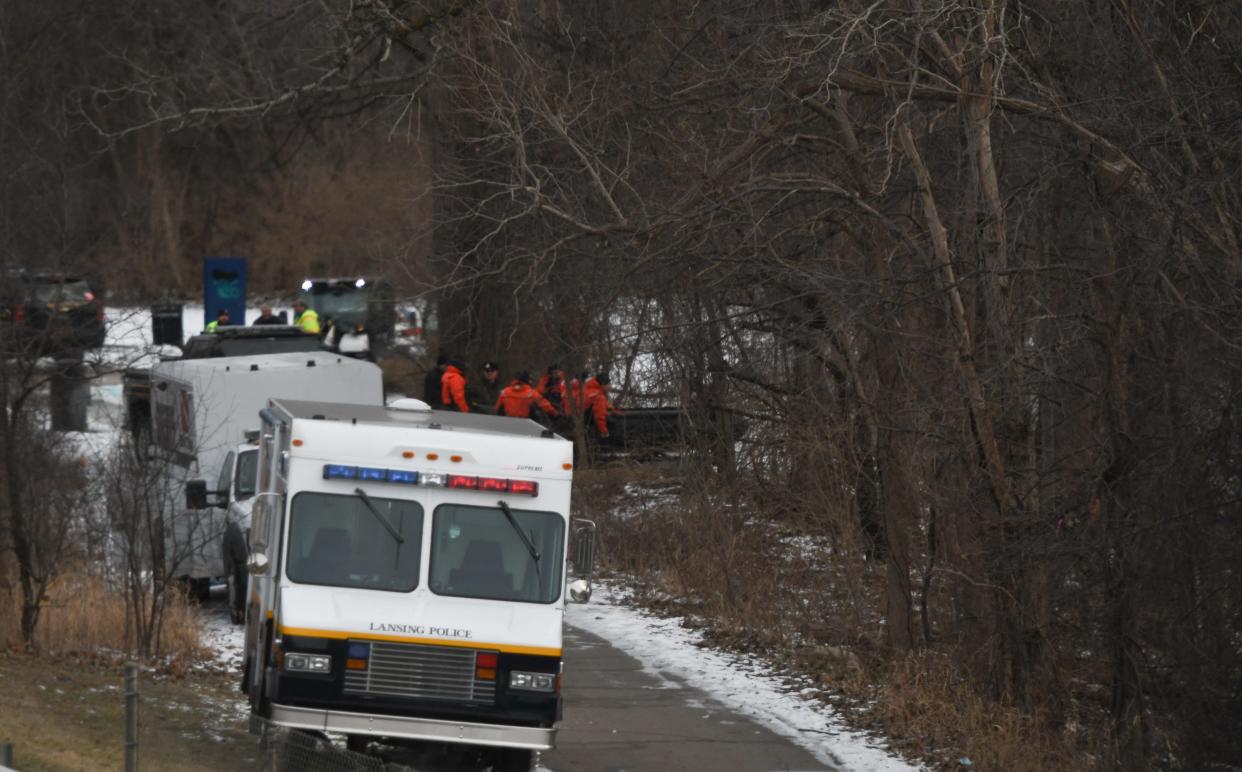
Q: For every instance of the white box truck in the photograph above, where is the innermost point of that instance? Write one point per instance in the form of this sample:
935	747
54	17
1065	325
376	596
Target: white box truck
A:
201	410
409	576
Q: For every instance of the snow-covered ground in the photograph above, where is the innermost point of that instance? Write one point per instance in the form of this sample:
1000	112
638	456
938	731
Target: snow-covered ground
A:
130	327
665	647
127	339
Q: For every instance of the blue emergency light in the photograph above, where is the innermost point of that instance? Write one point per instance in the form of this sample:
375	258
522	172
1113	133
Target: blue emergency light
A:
369	474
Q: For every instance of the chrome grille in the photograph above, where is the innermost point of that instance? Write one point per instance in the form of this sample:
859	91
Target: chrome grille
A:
424	672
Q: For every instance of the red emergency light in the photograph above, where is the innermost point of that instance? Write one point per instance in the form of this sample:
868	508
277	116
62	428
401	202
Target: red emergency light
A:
494	484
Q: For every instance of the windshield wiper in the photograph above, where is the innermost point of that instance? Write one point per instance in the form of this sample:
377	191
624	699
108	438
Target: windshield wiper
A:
383	520
534	553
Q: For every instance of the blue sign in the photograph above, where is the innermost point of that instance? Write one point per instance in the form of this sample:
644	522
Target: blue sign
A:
224	286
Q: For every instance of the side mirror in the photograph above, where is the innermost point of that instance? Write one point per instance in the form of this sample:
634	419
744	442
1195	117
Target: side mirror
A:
257	563
196	494
579	591
583	551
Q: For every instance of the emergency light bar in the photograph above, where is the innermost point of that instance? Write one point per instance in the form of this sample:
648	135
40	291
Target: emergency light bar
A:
372	474
431	479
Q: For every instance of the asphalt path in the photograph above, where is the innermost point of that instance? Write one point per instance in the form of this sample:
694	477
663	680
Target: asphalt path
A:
619	718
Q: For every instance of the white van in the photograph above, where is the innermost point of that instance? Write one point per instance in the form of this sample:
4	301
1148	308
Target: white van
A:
409	575
201	410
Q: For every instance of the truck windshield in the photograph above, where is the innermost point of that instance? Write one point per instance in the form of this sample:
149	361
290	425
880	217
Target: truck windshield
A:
247	471
334	540
475	553
337	301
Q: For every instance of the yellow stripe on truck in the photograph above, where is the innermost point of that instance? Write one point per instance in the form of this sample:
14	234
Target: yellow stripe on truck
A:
340	635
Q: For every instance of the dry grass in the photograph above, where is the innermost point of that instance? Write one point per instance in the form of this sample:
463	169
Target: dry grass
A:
924	700
801	594
84	615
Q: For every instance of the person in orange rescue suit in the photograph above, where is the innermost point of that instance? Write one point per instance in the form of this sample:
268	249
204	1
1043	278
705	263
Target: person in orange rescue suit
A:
453	387
552	387
573	394
517	397
596	404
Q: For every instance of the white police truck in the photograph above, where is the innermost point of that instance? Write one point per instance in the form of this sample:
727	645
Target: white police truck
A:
409	576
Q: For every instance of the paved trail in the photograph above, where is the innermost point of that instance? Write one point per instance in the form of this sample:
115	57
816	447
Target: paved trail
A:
619	718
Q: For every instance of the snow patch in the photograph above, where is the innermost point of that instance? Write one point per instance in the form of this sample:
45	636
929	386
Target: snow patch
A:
668	651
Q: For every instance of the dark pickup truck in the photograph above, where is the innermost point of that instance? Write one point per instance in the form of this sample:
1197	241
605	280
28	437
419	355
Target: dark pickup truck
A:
638	433
646	431
48	314
224	342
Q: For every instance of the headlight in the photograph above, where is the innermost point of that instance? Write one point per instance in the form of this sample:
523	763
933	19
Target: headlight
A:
535	682
308	663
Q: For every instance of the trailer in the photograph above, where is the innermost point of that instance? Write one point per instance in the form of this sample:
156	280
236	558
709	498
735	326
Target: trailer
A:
199	413
410	571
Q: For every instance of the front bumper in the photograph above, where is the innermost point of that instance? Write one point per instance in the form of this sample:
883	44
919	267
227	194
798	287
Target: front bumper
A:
412	728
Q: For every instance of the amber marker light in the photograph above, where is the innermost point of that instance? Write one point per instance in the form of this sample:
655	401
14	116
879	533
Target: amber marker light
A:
567	466
485	665
356	664
455	459
433	456
407	454
297	443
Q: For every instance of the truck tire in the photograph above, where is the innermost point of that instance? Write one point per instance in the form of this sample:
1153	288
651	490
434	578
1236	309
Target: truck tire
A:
235	576
255	668
236	581
199	588
515	760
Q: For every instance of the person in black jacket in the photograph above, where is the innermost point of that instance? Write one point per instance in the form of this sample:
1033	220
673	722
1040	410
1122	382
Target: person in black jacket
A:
267	317
489	389
431	382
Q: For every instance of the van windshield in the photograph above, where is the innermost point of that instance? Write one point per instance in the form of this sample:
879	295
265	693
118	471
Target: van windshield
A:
335	540
476	553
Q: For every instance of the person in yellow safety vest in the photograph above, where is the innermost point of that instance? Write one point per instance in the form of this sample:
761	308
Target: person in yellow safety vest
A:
306	318
221	320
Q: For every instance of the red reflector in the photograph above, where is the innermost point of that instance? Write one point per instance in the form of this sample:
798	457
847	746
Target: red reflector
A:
526	487
19	313
463	481
493	484
485	659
